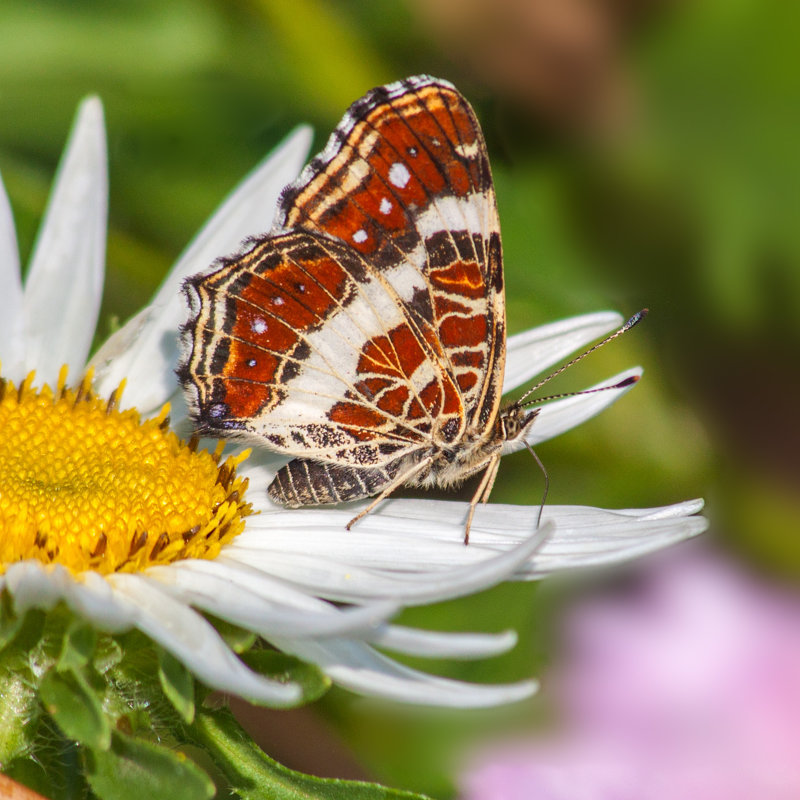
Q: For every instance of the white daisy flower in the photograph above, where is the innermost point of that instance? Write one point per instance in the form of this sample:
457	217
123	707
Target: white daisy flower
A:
132	529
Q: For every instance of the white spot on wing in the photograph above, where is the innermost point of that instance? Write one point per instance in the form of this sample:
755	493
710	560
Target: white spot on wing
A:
258	325
468	213
467	150
360	236
399	175
386	205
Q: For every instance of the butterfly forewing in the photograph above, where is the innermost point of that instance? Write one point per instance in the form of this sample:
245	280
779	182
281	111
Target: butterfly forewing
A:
405	179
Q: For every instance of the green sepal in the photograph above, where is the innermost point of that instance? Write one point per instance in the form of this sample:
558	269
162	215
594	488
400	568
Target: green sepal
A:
132	769
76	709
28	640
107	654
288	669
19	714
10	621
253	775
177	683
77	646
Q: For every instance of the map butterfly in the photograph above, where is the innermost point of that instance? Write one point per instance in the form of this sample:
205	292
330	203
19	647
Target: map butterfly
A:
364	336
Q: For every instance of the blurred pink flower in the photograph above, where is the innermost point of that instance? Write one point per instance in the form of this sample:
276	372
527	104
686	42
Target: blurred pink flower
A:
686	687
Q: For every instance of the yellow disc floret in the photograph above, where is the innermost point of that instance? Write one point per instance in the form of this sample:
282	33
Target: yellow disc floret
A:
91	487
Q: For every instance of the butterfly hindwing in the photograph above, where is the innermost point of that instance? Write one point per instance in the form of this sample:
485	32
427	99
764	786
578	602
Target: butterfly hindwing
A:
280	353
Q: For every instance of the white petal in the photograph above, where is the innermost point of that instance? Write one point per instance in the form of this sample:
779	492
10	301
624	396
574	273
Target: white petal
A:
12	346
585	536
195	642
674	511
92	597
411	543
559	416
65	282
35	585
533	351
588	537
232	601
359	668
146	350
262	584
432	644
344	580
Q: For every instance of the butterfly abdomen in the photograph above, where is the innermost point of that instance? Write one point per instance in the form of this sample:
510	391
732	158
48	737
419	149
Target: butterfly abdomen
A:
303	482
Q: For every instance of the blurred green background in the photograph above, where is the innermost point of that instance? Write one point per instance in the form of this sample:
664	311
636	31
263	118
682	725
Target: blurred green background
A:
645	154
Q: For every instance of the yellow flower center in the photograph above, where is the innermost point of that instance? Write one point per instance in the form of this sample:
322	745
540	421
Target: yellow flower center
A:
90	487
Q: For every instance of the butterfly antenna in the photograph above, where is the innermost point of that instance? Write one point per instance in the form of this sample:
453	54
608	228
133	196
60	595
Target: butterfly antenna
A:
629	381
634	320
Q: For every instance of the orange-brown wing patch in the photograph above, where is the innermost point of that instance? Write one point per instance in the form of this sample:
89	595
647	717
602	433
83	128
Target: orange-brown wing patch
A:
393	363
255	316
396	151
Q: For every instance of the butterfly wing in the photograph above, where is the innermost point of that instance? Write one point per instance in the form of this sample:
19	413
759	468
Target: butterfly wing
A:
405	180
370	323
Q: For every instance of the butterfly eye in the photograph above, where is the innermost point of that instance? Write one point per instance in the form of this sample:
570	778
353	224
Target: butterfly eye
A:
509	425
217	410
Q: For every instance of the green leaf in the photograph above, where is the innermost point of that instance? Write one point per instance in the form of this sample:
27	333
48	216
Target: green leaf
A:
77	711
132	769
177	683
19	711
254	775
286	668
77	646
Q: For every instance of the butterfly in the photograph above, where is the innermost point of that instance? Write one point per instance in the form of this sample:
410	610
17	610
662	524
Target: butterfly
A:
365	335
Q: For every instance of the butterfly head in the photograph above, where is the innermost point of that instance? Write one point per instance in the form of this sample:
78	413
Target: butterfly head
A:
514	421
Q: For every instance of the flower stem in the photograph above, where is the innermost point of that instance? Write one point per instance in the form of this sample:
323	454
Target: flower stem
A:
253	774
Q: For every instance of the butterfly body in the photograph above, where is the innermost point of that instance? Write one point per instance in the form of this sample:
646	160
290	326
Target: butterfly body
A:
365	334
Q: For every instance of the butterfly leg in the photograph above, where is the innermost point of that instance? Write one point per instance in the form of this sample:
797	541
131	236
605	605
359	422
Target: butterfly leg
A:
482	493
402	478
